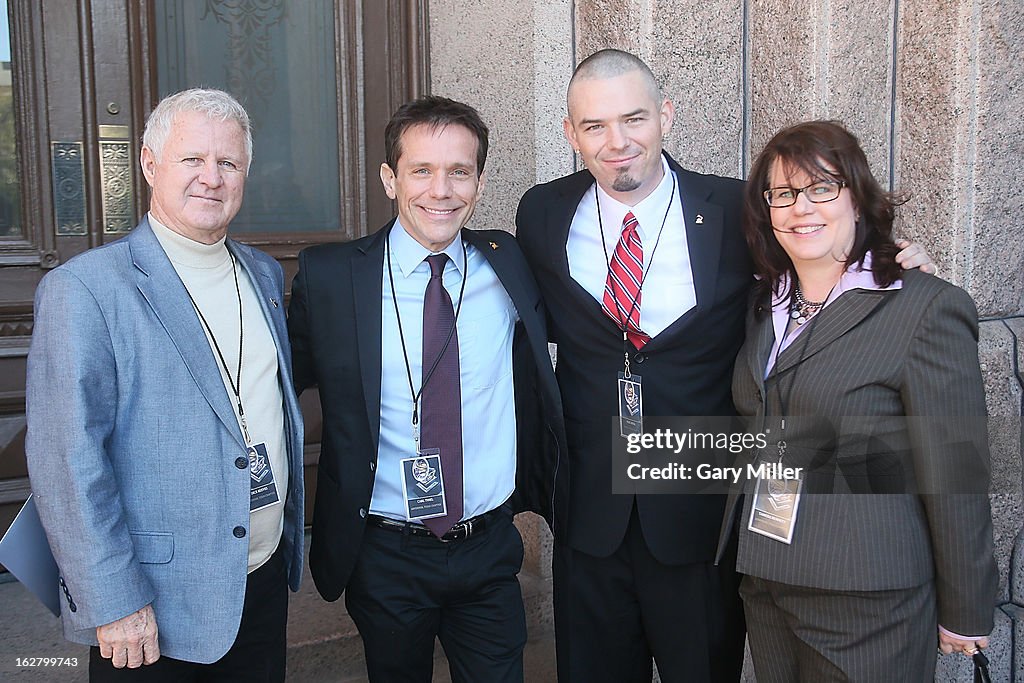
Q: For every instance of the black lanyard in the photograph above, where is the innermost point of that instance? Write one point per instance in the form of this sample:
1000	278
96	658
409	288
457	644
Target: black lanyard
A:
416	395
784	400
236	383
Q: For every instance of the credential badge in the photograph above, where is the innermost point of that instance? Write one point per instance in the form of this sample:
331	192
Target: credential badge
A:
425	475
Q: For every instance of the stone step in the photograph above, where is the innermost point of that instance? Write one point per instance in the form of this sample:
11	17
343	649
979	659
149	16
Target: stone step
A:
323	644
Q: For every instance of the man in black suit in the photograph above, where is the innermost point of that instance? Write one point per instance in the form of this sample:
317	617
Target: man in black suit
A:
440	408
645	274
634	575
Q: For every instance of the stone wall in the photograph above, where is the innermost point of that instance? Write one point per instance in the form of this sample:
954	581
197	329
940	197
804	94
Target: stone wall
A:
934	90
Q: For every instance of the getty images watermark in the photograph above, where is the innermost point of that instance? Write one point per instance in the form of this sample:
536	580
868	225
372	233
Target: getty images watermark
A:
850	455
734	443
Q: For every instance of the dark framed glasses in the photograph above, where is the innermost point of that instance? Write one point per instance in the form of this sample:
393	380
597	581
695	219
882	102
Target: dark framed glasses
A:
816	193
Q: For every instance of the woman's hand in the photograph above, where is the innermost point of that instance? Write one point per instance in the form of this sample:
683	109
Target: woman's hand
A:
950	643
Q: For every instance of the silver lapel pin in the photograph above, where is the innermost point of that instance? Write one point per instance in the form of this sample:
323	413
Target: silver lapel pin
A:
700	219
273	301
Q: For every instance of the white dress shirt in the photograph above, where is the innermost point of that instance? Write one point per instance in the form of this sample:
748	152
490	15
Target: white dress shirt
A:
668	290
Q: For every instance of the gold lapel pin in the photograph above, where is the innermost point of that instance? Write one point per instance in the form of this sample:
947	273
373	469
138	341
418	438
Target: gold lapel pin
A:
494	245
700	219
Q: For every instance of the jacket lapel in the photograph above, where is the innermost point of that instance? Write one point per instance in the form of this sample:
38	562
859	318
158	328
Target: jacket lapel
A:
163	290
759	347
263	282
510	278
704	225
272	307
559	220
832	323
367	290
703	221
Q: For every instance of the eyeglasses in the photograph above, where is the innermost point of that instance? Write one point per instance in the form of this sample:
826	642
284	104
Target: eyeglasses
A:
817	193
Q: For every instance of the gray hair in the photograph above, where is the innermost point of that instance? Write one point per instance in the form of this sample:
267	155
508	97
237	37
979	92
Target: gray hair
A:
609	63
215	104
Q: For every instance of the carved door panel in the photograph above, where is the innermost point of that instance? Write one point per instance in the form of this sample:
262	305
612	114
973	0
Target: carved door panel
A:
318	77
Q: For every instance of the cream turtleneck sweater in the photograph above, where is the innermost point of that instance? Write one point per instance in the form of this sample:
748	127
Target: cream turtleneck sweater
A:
206	271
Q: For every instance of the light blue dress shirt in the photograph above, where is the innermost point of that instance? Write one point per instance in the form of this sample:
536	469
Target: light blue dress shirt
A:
485	324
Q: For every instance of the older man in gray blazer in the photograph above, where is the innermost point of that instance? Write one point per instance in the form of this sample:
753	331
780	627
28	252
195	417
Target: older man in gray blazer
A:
164	438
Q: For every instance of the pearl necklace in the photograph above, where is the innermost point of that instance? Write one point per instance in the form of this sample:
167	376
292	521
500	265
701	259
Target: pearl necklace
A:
802	310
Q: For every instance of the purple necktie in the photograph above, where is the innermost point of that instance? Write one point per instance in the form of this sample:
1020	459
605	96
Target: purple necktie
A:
441	420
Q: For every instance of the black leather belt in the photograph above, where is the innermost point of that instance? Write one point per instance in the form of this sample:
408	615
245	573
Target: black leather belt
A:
459	532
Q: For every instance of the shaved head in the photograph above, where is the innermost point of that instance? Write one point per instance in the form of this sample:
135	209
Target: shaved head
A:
610	63
616	120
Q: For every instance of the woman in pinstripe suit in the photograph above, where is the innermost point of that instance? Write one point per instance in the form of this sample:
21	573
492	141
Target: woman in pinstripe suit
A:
867	378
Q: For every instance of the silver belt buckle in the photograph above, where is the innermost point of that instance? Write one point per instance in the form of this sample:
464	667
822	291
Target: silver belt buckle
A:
469	528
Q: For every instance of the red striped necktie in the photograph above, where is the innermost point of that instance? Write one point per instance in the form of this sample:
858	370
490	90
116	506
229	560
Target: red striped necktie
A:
622	289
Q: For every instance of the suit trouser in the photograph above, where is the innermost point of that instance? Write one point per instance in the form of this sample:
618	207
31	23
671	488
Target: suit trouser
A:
406	590
816	635
613	613
257	655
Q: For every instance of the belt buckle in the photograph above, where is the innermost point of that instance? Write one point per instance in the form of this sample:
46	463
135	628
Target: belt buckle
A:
463	528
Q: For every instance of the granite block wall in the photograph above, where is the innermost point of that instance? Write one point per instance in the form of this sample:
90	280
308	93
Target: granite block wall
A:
934	90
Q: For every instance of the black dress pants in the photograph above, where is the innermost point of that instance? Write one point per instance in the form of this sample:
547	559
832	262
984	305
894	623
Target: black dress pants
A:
406	590
257	655
612	614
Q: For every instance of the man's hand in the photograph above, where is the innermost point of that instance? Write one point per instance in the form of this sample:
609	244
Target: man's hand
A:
914	256
131	640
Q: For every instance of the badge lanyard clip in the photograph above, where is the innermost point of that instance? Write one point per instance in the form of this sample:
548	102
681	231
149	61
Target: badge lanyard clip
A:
625	340
245	426
781	444
416	424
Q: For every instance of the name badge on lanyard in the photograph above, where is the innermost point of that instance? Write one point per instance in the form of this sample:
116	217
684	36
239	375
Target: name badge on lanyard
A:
776	500
262	486
773	513
423	485
631	404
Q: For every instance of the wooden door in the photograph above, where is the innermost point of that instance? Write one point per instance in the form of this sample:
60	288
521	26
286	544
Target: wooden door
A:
77	78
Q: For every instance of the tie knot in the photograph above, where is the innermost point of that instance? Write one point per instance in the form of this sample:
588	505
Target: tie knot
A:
629	222
437	263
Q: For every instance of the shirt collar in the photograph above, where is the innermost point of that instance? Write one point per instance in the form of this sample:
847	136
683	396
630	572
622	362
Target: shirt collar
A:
648	212
855	277
408	254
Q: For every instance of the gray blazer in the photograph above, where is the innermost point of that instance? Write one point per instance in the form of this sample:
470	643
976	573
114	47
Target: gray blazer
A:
873	357
132	443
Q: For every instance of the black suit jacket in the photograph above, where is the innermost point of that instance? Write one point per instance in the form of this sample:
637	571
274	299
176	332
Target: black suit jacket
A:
686	369
334	322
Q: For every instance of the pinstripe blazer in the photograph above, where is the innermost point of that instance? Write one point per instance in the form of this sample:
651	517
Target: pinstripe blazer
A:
873	357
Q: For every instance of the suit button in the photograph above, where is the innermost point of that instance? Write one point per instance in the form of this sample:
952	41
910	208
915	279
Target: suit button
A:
362	512
241	463
239	531
640	357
